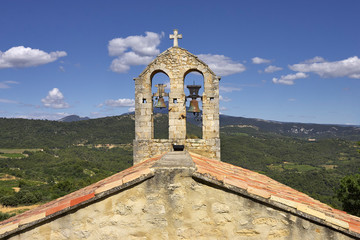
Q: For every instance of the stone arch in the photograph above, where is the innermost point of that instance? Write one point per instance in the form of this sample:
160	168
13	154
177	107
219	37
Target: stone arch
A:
156	71
176	63
193	70
160	117
192	119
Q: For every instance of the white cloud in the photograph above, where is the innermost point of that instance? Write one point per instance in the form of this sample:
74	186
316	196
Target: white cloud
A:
133	50
62	69
132	109
55	99
141	45
224	99
221	64
2	100
121	102
123	63
141	50
167	83
20	56
271	69
257	60
349	67
229	89
6	84
316	59
289	79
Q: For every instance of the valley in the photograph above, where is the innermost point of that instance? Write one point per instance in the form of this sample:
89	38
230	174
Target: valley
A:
43	160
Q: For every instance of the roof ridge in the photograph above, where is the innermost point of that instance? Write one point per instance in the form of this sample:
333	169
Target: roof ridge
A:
273	192
246	182
104	187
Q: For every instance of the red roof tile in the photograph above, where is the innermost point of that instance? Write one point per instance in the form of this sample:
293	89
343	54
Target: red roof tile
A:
227	175
262	186
79	197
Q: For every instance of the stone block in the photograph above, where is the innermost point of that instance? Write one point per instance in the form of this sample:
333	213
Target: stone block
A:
265	220
176	63
247	232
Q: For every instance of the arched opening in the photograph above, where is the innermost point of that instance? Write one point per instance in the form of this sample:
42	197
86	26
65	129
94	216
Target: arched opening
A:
160	87
194	88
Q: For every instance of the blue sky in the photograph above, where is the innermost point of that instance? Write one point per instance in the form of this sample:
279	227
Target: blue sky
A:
293	61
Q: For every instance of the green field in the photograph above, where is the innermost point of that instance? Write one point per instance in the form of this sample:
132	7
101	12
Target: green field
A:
16	152
44	160
292	166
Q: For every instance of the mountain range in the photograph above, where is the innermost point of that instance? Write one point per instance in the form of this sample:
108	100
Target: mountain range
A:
232	123
311	158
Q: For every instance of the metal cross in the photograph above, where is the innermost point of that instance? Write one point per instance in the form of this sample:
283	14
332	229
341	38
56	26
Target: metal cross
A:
176	36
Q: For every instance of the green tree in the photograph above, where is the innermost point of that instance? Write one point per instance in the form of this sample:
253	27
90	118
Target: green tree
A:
4	216
349	194
9	200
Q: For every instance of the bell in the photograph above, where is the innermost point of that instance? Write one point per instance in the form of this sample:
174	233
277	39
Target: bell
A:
194	91
194	106
160	103
160	94
194	94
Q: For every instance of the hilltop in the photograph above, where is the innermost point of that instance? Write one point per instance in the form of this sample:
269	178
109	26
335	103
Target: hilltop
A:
311	158
73	118
25	133
303	130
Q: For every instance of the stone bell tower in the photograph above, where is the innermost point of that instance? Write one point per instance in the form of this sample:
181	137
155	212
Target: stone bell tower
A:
176	63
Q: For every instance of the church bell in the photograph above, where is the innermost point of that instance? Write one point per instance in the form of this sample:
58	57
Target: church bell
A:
194	106
194	94
159	95
160	103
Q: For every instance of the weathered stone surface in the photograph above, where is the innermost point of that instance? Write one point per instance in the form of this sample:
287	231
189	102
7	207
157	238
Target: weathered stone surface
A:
176	63
173	205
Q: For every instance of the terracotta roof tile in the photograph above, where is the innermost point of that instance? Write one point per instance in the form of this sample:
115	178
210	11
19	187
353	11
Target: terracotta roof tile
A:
354	226
259	192
224	174
57	208
267	188
235	182
81	199
79	196
8	227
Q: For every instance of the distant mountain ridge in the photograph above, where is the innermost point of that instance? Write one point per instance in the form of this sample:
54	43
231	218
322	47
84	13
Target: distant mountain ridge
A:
303	130
26	133
293	129
73	118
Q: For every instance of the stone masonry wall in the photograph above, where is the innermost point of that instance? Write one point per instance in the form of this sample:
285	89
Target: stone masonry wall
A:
172	205
176	63
148	148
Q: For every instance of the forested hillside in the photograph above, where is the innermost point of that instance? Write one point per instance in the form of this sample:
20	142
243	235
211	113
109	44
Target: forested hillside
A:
24	133
71	155
300	130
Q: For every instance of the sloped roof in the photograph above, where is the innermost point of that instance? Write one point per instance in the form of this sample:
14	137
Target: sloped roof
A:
237	179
